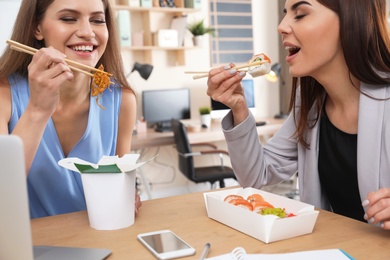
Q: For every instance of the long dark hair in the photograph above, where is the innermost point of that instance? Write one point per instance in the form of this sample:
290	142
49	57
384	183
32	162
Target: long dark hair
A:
364	34
30	14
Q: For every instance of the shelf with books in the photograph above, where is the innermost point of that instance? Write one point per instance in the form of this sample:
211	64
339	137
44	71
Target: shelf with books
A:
143	16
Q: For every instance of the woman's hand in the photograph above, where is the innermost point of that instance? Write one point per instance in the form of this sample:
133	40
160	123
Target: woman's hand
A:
138	202
224	85
377	207
46	74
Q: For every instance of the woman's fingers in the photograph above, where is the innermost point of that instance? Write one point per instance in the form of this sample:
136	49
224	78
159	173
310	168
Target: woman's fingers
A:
377	207
224	85
138	202
46	74
48	63
223	81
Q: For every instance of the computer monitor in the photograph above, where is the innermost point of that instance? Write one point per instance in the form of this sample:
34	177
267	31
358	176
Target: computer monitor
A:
219	110
162	105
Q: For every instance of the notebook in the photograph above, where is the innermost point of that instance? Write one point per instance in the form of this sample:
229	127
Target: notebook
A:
15	230
239	253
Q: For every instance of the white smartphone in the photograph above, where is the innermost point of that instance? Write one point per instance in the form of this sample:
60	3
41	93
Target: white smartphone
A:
164	244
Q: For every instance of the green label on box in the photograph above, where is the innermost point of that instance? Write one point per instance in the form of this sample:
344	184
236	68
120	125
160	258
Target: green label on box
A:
112	168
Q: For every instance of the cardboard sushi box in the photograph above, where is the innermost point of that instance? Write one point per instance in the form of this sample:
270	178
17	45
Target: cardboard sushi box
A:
267	228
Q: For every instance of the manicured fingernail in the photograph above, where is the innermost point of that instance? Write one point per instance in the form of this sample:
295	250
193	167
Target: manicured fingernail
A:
365	203
365	216
242	73
372	220
233	71
226	67
382	225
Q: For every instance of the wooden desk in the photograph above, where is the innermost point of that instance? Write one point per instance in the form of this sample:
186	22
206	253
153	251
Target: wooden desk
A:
212	134
186	215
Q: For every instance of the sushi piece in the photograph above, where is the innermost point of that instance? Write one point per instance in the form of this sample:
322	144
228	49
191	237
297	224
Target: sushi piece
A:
259	69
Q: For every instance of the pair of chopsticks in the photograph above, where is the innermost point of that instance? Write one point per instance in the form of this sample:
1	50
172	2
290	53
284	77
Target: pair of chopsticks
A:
72	64
203	74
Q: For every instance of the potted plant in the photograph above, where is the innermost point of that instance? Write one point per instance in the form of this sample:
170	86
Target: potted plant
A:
205	117
204	110
198	29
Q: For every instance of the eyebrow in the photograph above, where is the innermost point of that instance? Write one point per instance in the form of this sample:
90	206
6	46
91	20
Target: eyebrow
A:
77	12
296	5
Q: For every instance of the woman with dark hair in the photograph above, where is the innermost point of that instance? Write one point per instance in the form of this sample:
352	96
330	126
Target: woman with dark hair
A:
337	136
50	106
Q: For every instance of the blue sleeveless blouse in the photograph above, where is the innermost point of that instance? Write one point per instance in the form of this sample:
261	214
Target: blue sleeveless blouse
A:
53	189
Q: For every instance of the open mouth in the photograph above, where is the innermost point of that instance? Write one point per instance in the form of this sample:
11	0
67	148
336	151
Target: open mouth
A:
293	50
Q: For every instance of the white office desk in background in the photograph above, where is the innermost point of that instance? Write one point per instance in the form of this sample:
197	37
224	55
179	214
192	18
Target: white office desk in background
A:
144	143
213	134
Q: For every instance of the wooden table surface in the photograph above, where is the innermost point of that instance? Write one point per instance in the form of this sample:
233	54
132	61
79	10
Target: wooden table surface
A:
186	216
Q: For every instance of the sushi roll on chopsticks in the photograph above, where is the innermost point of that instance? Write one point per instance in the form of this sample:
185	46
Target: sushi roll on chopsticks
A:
258	65
261	69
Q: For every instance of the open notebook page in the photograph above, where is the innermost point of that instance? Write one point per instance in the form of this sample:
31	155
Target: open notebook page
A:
239	254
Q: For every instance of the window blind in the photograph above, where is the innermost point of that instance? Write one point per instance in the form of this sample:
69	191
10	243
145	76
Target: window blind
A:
233	40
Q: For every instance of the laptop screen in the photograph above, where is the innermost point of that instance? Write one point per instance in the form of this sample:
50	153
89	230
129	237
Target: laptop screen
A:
15	229
15	235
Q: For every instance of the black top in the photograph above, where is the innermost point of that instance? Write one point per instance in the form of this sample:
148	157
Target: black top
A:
337	167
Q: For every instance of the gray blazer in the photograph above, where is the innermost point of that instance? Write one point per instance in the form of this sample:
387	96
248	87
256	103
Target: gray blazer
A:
281	157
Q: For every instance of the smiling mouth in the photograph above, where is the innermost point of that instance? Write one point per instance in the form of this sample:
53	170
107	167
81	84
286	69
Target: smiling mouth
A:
83	48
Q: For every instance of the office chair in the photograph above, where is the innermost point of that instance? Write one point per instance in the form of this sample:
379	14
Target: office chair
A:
211	174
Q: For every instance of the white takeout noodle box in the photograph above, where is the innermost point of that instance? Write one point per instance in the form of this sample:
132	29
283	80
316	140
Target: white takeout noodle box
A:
109	189
267	228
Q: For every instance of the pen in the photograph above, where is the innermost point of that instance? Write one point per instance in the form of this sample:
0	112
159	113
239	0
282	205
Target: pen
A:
205	251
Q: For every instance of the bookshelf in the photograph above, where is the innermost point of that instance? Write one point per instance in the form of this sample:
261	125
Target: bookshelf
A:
144	16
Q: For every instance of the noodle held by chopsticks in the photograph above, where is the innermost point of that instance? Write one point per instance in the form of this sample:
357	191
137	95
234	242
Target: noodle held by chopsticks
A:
100	82
101	78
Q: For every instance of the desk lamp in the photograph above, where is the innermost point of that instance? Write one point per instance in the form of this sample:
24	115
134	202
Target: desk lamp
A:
143	69
274	76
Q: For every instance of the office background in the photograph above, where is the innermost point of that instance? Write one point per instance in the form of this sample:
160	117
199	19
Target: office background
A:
265	21
162	172
166	75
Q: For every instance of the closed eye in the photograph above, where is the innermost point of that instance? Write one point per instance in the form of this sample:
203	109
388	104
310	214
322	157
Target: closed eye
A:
68	19
297	17
98	21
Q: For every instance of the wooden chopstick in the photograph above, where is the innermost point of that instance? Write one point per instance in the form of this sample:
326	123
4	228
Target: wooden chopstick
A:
202	74
32	53
72	64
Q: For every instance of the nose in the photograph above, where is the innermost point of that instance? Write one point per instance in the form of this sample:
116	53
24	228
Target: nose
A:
85	30
283	27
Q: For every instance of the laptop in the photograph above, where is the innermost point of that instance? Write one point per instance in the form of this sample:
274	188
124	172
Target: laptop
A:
15	230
